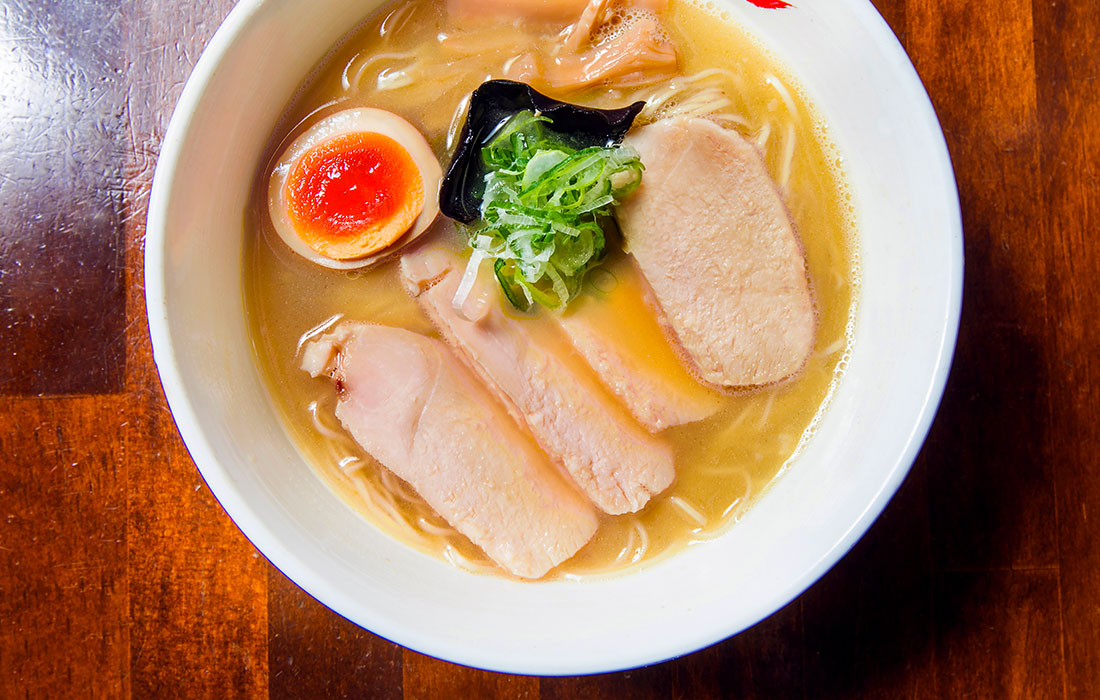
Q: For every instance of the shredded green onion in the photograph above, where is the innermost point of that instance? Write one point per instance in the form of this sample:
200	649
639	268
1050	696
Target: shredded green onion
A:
545	209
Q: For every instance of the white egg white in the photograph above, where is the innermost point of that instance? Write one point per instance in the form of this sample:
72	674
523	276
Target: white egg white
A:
352	121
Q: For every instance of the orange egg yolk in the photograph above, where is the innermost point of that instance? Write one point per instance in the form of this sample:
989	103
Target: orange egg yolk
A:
354	194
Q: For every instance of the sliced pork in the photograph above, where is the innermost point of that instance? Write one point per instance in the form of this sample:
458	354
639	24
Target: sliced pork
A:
617	333
616	463
710	232
623	42
416	409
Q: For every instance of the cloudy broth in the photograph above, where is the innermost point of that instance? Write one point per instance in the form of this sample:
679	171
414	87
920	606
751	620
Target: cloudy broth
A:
410	61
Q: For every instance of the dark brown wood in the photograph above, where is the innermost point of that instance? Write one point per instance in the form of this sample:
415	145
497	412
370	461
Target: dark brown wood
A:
62	154
1012	649
868	622
763	662
425	677
121	576
64	589
313	653
1067	64
198	590
992	464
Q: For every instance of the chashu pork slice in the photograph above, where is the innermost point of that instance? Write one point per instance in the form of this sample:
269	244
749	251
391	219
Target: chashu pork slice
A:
416	409
616	463
712	236
615	330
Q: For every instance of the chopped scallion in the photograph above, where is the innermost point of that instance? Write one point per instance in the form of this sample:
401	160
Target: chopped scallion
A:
545	208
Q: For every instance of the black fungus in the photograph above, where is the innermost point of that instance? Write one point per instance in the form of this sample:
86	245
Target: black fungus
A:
496	101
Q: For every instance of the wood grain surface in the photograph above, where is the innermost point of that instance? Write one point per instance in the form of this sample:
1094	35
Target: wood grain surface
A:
121	576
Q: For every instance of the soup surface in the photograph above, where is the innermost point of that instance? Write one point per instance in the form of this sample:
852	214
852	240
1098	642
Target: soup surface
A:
411	60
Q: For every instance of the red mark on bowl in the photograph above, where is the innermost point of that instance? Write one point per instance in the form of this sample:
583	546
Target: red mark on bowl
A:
770	4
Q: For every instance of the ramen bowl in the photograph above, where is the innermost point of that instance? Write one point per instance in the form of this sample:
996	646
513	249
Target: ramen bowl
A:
909	270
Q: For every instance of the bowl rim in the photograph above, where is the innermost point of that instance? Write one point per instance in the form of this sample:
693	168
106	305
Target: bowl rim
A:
287	560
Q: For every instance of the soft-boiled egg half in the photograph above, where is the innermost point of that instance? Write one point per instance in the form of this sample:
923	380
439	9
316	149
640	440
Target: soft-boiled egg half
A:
354	188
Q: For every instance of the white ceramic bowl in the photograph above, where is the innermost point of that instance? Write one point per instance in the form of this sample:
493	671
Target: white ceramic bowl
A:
911	248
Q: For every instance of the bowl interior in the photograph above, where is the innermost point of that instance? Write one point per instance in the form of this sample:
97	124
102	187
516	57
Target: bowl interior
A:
911	261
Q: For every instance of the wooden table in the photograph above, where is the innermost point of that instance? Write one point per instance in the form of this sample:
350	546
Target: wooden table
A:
120	575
